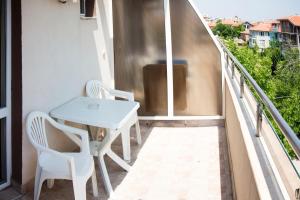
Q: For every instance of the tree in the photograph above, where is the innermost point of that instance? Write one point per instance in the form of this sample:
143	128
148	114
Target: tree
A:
227	31
287	88
279	76
274	52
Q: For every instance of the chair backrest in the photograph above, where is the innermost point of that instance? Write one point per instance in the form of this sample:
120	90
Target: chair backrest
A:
35	129
95	89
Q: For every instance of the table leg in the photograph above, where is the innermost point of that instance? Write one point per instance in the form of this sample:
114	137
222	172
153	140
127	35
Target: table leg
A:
104	174
118	160
138	132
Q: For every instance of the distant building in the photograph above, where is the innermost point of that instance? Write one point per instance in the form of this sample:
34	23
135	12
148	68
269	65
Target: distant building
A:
232	22
212	24
245	35
207	18
261	33
235	22
247	25
290	29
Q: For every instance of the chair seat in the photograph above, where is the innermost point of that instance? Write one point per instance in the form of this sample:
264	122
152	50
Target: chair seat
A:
53	164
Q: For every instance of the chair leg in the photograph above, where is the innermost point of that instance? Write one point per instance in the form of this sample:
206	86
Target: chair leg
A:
79	190
94	184
50	183
138	132
105	176
118	160
37	183
125	133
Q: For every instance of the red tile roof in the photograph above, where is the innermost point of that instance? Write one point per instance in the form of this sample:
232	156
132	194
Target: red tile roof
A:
231	22
295	20
266	26
212	24
273	21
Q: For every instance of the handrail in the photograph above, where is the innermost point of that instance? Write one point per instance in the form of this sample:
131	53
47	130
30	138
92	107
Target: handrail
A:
283	125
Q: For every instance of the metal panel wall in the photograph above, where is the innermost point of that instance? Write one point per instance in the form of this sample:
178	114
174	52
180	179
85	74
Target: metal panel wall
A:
192	45
140	53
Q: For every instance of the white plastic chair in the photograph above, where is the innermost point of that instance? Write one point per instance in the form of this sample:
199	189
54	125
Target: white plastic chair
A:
95	89
52	164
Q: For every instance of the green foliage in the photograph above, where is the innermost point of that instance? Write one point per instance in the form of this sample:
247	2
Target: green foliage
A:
287	88
279	76
274	52
256	64
227	31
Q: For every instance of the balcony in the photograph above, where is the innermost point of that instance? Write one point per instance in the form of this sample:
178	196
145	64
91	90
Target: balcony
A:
238	156
172	163
209	131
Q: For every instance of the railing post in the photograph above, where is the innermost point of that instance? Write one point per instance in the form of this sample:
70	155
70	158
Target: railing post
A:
227	60
242	82
259	112
232	71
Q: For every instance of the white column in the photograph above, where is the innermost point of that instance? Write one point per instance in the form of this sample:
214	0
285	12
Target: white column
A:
169	57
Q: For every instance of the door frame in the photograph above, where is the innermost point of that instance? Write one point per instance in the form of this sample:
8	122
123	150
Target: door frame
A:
6	112
168	33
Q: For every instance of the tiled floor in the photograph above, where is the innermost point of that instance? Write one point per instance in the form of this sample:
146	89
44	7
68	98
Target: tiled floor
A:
173	163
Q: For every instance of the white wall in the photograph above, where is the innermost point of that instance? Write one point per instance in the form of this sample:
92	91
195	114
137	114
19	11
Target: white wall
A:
261	41
60	53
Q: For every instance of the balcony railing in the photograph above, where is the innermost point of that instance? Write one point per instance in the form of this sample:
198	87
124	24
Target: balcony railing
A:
264	101
268	126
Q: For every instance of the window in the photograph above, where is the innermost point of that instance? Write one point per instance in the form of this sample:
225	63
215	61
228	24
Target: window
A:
261	43
282	27
262	33
87	8
289	27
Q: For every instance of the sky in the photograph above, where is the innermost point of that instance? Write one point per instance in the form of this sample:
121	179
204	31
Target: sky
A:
249	10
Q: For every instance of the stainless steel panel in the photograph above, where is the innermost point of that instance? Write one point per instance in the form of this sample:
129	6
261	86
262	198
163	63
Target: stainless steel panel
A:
192	44
139	47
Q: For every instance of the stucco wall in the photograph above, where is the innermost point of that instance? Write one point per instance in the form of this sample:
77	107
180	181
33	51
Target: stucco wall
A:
60	53
243	178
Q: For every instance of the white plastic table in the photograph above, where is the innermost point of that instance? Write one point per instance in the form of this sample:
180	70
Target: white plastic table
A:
114	115
105	113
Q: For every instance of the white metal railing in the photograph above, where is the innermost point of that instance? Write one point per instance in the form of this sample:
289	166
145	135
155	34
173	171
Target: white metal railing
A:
264	105
264	102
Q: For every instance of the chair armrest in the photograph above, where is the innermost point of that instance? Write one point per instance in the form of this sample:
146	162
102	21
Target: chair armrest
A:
84	136
122	94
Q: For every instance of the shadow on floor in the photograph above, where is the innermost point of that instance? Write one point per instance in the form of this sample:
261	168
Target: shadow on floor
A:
225	172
